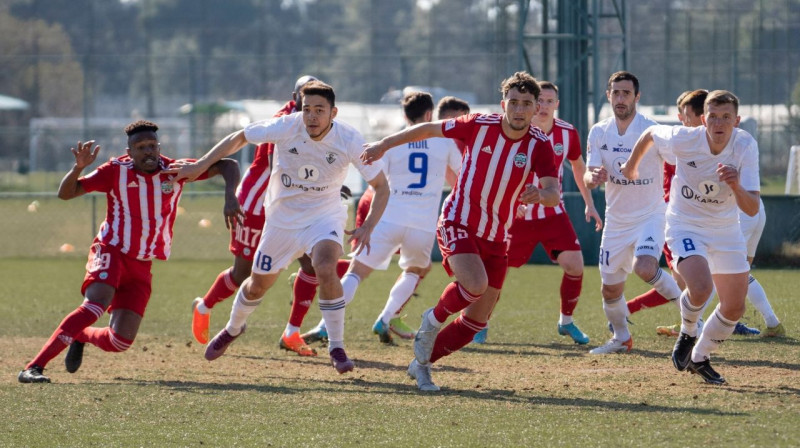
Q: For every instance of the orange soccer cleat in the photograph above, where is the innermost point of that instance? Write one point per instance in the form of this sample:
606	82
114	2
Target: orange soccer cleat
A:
296	344
200	323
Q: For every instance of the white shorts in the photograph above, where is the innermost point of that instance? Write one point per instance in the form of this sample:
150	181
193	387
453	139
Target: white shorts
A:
620	245
279	247
415	246
724	249
752	228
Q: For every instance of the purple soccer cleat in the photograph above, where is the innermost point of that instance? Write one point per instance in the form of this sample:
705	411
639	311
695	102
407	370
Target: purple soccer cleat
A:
217	346
340	361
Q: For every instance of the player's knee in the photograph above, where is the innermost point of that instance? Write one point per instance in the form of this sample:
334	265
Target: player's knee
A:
700	292
645	270
611	291
475	286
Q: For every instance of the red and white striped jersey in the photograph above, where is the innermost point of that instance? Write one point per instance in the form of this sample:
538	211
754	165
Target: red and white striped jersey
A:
493	173
252	189
566	142
141	207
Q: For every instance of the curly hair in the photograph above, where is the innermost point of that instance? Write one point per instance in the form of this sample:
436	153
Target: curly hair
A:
140	126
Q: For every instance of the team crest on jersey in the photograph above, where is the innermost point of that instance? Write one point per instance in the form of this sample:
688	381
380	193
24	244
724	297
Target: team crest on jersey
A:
520	159
167	187
330	157
103	275
246	251
558	149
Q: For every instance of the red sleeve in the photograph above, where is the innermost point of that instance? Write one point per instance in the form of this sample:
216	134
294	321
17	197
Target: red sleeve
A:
669	171
459	128
574	151
100	179
544	164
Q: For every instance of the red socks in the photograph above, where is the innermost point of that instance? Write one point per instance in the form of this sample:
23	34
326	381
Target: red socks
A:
454	299
67	331
105	339
649	299
455	336
223	287
304	290
570	290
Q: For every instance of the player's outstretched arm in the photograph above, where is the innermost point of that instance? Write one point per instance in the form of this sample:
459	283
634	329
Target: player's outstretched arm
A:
579	171
227	146
375	150
229	169
85	154
630	169
361	235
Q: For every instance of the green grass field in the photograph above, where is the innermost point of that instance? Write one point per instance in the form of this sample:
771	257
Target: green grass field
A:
526	387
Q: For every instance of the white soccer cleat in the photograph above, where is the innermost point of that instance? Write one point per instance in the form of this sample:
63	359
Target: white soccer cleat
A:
613	346
425	338
422	373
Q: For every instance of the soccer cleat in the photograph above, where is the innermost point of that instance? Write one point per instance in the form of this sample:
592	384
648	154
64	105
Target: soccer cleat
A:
743	330
400	328
295	343
33	374
220	343
340	361
574	332
774	332
613	346
705	371
481	336
422	373
669	330
200	322
317	334
682	352
611	327
74	356
382	330
425	338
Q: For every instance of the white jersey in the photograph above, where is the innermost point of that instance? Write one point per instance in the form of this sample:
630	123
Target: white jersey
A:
627	200
416	174
697	196
306	174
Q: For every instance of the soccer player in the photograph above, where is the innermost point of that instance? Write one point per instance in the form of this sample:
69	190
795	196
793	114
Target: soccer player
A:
503	149
303	212
716	175
448	107
416	175
142	206
634	229
551	226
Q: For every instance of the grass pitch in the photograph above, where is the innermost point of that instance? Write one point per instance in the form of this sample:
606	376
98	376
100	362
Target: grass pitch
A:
526	387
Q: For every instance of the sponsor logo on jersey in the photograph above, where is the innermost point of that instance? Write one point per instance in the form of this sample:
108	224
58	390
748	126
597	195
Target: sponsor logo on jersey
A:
709	188
558	149
604	147
645	247
624	181
621	149
308	172
133	184
330	157
650	239
688	193
333	232
487	149
618	164
286	180
293	151
692	164
450	124
520	159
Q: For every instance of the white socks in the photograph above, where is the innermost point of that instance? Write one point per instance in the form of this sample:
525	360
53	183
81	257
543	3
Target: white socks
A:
716	330
242	308
758	297
665	285
617	314
689	314
350	284
333	315
290	330
399	295
564	319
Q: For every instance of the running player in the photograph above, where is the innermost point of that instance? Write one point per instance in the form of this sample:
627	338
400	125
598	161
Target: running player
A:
142	206
502	151
303	212
634	230
716	175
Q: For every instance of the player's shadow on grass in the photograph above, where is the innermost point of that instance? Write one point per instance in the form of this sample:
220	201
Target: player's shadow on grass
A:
566	350
771	391
758	340
760	363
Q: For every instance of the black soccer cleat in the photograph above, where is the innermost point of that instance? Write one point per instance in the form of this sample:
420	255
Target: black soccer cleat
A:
682	353
705	371
33	374
74	357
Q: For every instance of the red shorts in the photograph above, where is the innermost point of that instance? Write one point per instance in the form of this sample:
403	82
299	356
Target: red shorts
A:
456	239
555	233
668	256
245	237
130	277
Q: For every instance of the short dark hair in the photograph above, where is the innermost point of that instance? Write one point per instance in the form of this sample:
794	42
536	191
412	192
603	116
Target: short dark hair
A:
720	97
415	104
696	100
548	85
140	126
679	101
319	88
624	76
523	82
451	103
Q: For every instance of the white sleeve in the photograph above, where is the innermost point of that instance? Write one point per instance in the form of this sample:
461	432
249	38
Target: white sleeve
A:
748	173
662	142
355	146
593	157
454	157
270	130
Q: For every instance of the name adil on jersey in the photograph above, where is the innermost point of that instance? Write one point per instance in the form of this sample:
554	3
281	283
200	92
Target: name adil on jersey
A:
422	144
